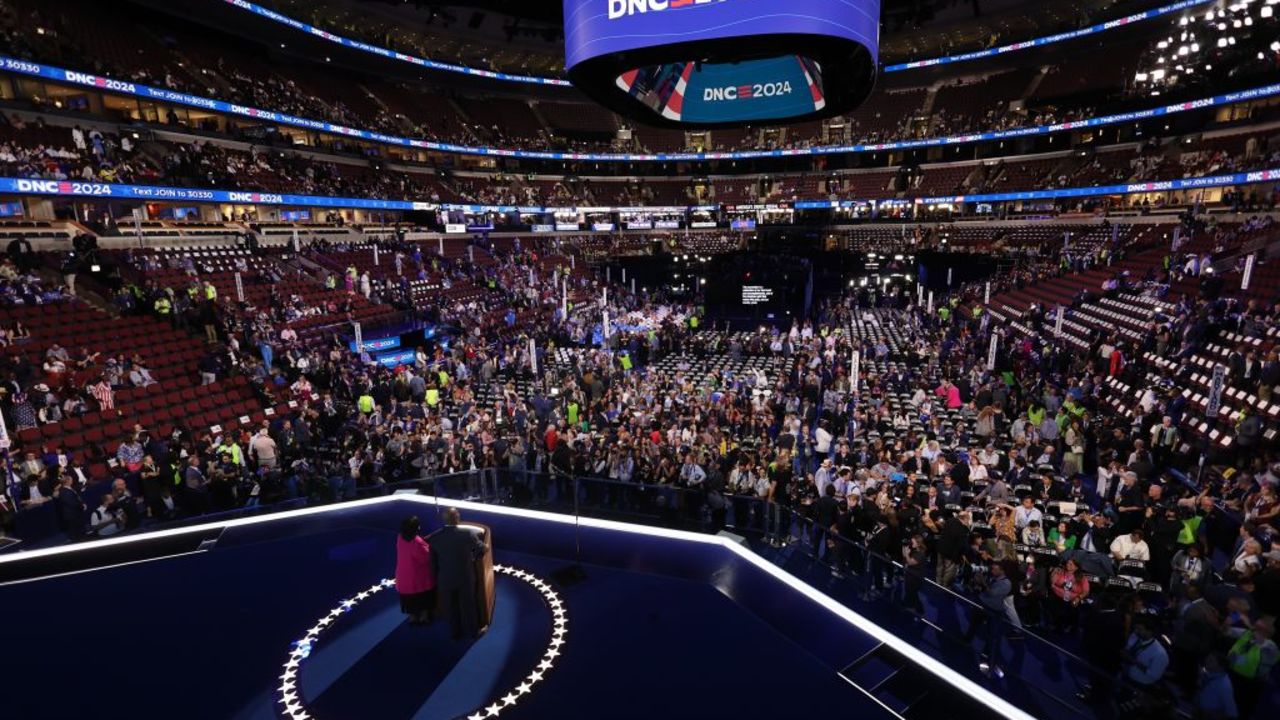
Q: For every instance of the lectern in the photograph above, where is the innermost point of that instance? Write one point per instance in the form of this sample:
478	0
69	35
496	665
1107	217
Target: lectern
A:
485	590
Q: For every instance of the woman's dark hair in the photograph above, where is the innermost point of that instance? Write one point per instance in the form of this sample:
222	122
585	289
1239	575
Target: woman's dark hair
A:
409	527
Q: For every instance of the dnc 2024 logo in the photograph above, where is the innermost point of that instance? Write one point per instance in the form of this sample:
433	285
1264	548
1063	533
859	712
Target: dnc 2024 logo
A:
747	92
627	8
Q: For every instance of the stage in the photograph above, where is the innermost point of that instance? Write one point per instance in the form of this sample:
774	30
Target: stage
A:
657	626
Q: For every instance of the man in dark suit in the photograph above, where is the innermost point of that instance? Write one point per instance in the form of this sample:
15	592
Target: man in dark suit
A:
454	552
951	544
826	510
70	508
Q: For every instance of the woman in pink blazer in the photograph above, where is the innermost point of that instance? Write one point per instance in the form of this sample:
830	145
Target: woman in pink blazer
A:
415	578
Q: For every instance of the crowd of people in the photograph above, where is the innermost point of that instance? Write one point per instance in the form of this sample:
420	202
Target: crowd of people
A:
1015	482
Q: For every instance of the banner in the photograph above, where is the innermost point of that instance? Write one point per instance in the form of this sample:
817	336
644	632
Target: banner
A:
855	372
1215	390
1248	271
376	345
991	352
986	296
138	217
239	288
355	327
396	358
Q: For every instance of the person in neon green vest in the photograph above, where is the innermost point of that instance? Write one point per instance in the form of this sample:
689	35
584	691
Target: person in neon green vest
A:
433	396
625	359
693	322
232	449
571	412
365	404
1251	660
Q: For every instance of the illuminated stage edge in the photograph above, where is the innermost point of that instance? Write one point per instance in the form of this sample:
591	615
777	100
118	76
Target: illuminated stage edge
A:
969	688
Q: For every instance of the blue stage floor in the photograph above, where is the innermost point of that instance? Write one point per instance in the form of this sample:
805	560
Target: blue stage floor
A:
205	636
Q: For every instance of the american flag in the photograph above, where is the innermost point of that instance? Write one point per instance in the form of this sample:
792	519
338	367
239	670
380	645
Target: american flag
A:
102	393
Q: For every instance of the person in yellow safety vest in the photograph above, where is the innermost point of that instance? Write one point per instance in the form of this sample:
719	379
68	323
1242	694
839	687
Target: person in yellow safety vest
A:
193	290
1251	660
433	396
693	322
231	449
625	359
444	378
365	403
210	292
163	306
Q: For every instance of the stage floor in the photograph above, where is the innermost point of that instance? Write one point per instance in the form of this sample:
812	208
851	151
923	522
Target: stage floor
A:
206	636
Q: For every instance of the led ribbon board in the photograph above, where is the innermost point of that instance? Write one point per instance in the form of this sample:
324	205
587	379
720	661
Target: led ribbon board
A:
146	92
386	53
27	186
1048	39
708	63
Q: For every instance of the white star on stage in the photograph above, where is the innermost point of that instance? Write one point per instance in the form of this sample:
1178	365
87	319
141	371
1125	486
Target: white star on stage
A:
295	710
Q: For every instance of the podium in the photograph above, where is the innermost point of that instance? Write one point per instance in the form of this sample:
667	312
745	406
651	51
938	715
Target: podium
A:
486	593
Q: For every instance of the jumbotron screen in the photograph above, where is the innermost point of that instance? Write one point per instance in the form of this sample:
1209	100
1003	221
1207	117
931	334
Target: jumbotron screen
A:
719	93
720	62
